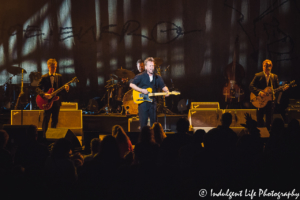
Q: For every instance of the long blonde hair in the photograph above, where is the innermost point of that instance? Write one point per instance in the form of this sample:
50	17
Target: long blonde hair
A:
159	134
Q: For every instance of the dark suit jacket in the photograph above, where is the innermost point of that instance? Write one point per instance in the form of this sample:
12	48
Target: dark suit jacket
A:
259	82
45	84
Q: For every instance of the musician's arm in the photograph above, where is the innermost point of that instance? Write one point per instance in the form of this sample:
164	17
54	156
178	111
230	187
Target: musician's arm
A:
253	86
162	85
166	89
40	88
60	81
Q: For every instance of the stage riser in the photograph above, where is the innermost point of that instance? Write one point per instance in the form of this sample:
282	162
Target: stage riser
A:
104	123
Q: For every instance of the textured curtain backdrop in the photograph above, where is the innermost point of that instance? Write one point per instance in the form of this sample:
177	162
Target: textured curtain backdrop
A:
91	39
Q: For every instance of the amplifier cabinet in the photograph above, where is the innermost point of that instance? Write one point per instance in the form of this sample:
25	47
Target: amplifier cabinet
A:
30	117
195	105
71	119
134	124
69	106
205	117
292	113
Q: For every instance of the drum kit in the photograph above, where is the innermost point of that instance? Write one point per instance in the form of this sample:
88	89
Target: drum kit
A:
9	92
119	99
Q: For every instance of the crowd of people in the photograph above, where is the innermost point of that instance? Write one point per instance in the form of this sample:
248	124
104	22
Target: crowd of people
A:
158	166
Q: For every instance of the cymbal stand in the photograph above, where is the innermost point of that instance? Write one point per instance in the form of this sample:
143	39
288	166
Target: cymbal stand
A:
107	108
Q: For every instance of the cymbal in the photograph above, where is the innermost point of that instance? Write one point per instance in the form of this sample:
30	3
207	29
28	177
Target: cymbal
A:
158	61
15	70
124	73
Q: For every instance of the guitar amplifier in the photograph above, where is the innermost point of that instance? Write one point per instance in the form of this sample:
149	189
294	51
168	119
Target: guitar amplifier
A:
238	116
71	119
69	106
204	117
292	113
195	105
134	124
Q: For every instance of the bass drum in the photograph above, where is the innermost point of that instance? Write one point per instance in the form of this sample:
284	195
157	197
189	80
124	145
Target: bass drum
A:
129	106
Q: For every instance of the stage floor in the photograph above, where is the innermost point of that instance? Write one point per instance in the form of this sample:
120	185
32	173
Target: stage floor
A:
103	123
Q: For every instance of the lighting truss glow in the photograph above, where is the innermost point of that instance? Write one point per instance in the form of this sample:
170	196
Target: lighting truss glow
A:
112	12
99	65
30	66
98	20
128	60
113	64
245	7
66	22
33	32
113	45
208	20
3	77
128	41
44	67
144	40
66	66
29	46
1	55
178	70
12	47
206	69
100	80
144	55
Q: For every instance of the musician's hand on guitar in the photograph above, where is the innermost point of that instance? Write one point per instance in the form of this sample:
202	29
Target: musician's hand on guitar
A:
144	91
262	94
67	87
286	87
48	96
167	94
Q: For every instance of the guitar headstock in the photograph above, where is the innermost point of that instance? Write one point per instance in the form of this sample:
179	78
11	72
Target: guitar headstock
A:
75	79
292	84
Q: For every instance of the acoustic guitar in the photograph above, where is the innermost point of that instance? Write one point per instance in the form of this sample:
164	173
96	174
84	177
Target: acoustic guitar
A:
260	102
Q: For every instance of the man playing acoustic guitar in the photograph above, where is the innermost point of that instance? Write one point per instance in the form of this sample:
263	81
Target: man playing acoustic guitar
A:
259	83
140	83
50	80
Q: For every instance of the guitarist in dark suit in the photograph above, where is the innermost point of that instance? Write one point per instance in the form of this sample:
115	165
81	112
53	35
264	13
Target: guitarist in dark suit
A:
260	81
50	80
148	79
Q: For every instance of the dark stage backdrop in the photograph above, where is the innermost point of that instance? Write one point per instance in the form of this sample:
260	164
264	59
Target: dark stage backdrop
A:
91	39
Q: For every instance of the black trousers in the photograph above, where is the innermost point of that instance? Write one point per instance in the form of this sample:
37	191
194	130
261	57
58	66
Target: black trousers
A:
147	109
268	110
54	110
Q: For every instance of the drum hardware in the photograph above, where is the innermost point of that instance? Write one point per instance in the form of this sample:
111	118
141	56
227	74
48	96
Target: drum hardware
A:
15	70
109	89
124	73
35	78
158	61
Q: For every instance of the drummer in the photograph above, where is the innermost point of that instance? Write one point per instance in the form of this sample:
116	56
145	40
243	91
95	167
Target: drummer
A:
140	67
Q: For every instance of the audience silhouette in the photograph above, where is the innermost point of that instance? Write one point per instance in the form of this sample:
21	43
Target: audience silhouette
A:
176	166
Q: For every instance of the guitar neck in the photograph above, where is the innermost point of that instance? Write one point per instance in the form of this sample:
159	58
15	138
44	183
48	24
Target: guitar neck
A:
280	88
61	88
159	94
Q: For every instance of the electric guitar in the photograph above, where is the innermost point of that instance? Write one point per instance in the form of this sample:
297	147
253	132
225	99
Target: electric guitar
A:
44	103
139	97
260	102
